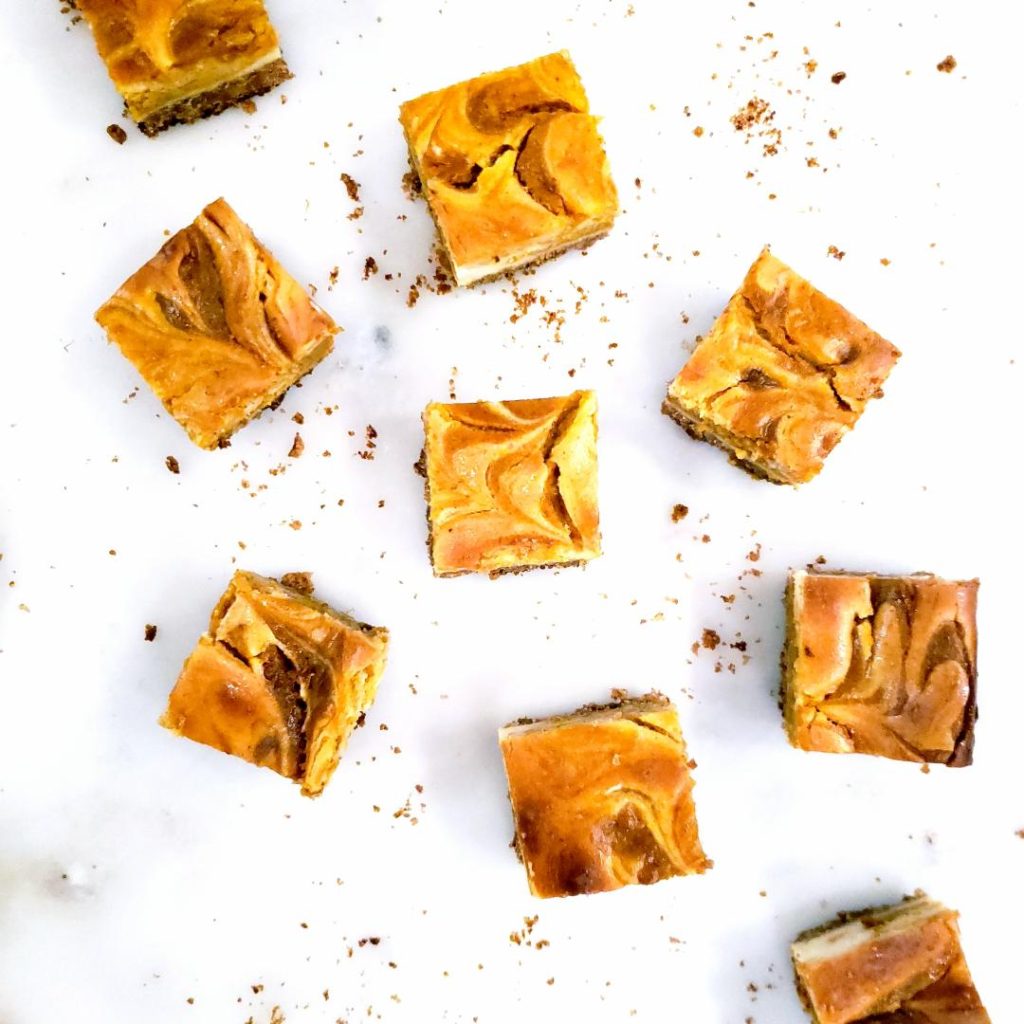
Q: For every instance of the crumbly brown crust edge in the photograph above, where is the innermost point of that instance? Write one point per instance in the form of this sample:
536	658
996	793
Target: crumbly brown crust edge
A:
647	702
216	100
699	432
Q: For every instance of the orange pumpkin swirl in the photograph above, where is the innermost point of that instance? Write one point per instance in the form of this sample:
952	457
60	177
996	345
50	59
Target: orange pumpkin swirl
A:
512	166
512	485
882	665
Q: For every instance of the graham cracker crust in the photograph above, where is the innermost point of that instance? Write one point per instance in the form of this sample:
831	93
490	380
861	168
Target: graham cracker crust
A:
216	100
698	433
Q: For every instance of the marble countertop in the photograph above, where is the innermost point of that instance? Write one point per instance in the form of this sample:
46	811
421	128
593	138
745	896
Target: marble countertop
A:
147	879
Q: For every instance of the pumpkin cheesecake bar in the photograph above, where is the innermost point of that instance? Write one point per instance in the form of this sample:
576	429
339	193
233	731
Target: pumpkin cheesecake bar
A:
900	964
511	485
279	679
883	665
784	373
512	167
216	326
602	798
176	61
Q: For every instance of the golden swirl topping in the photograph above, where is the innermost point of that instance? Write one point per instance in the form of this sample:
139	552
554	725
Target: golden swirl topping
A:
512	484
149	41
216	326
899	963
602	799
510	162
882	665
280	680
783	374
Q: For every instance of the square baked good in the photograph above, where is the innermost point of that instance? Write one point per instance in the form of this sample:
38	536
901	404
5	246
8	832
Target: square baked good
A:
176	61
602	798
898	964
511	485
883	665
781	376
216	326
279	679
512	167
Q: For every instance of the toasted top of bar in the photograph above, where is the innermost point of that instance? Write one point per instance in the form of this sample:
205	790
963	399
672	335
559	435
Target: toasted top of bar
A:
602	798
279	679
885	663
512	483
901	959
509	158
215	325
784	372
161	51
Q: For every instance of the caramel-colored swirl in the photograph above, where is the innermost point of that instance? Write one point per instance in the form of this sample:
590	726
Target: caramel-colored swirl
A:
157	51
215	325
280	680
899	964
602	799
512	484
783	374
510	160
882	665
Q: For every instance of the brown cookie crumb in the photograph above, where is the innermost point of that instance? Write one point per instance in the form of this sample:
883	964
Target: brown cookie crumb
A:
150	633
351	186
297	448
710	640
836	254
369	268
117	133
838	77
679	512
947	64
411	185
367	453
300	581
172	464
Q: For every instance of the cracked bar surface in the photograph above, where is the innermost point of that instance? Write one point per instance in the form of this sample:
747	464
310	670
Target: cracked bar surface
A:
279	679
511	485
602	798
512	167
883	665
899	964
216	326
176	61
781	377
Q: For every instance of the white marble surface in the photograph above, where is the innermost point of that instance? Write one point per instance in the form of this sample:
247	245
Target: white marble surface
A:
144	878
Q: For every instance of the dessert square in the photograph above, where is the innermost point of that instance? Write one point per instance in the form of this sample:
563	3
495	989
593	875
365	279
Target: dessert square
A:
898	964
279	679
602	798
175	62
511	485
216	326
781	377
883	665
512	167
